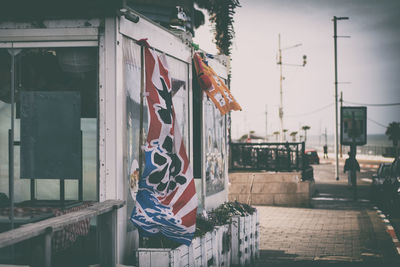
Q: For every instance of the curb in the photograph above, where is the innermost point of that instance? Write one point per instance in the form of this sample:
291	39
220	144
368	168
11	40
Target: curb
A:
362	165
389	229
371	166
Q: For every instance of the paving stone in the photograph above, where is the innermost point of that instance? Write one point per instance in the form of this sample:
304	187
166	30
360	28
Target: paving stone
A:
312	234
340	233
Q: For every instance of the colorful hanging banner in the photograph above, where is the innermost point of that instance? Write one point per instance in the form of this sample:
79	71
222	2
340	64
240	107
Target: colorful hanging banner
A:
166	202
214	87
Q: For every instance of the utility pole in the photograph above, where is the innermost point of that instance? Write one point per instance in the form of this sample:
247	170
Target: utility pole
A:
335	19
266	123
320	130
246	129
280	90
341	105
280	63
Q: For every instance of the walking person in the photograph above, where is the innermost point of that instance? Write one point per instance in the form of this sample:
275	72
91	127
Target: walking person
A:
325	151
351	166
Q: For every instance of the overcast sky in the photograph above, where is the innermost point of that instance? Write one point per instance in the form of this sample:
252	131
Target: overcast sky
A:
368	62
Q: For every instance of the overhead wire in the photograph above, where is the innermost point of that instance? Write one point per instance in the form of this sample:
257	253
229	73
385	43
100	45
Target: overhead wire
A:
377	123
373	105
311	112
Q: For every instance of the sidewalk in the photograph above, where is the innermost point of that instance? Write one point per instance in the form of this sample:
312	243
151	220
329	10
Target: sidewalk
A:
332	157
336	231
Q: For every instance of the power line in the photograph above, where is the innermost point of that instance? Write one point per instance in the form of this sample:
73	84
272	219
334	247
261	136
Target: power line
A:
377	123
308	113
374	105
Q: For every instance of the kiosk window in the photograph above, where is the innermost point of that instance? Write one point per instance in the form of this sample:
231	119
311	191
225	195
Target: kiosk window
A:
55	117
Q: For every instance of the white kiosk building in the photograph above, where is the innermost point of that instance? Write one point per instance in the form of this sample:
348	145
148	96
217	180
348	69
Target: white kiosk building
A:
73	120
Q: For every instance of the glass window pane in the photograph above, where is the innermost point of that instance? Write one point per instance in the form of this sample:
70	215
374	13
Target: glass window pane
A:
132	83
50	73
178	71
215	147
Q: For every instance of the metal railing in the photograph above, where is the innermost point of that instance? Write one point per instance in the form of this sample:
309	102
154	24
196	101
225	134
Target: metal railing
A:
268	156
106	213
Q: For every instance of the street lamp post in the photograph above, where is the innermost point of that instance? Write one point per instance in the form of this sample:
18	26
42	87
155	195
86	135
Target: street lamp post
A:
282	78
335	19
280	91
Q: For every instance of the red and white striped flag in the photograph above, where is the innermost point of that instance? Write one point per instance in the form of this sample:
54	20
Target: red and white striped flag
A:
166	202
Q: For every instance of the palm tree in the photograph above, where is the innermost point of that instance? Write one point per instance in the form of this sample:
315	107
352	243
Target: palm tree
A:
293	135
305	128
393	132
284	134
276	135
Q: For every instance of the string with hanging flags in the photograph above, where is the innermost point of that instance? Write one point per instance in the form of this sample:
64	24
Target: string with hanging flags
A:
214	86
166	201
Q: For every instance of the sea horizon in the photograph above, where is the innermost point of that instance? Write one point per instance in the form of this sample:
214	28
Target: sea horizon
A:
381	140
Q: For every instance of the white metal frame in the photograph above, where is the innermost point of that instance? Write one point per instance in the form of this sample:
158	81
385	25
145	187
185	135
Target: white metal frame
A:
72	34
48	37
22	35
158	37
113	133
111	94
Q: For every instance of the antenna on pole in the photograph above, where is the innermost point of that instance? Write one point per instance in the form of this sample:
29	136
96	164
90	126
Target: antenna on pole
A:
280	91
266	122
280	63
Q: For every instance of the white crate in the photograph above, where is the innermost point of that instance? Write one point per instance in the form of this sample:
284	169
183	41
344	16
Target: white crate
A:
204	251
256	222
245	239
223	244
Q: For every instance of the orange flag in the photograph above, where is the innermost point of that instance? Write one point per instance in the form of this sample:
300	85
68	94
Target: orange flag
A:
214	87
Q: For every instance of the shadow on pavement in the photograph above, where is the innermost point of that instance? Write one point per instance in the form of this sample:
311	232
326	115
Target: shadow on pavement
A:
319	263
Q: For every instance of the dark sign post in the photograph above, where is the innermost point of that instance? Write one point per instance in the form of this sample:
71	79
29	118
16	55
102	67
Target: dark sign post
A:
353	126
353	133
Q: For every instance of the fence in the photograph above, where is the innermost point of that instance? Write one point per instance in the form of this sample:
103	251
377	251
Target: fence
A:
268	156
107	222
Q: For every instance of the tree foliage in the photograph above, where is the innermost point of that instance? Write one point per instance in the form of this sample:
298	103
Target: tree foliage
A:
393	132
221	14
305	129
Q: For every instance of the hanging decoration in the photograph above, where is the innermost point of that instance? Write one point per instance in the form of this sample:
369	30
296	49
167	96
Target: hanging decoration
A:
166	202
214	87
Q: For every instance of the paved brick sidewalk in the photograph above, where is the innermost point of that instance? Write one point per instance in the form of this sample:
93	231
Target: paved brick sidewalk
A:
340	233
296	234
